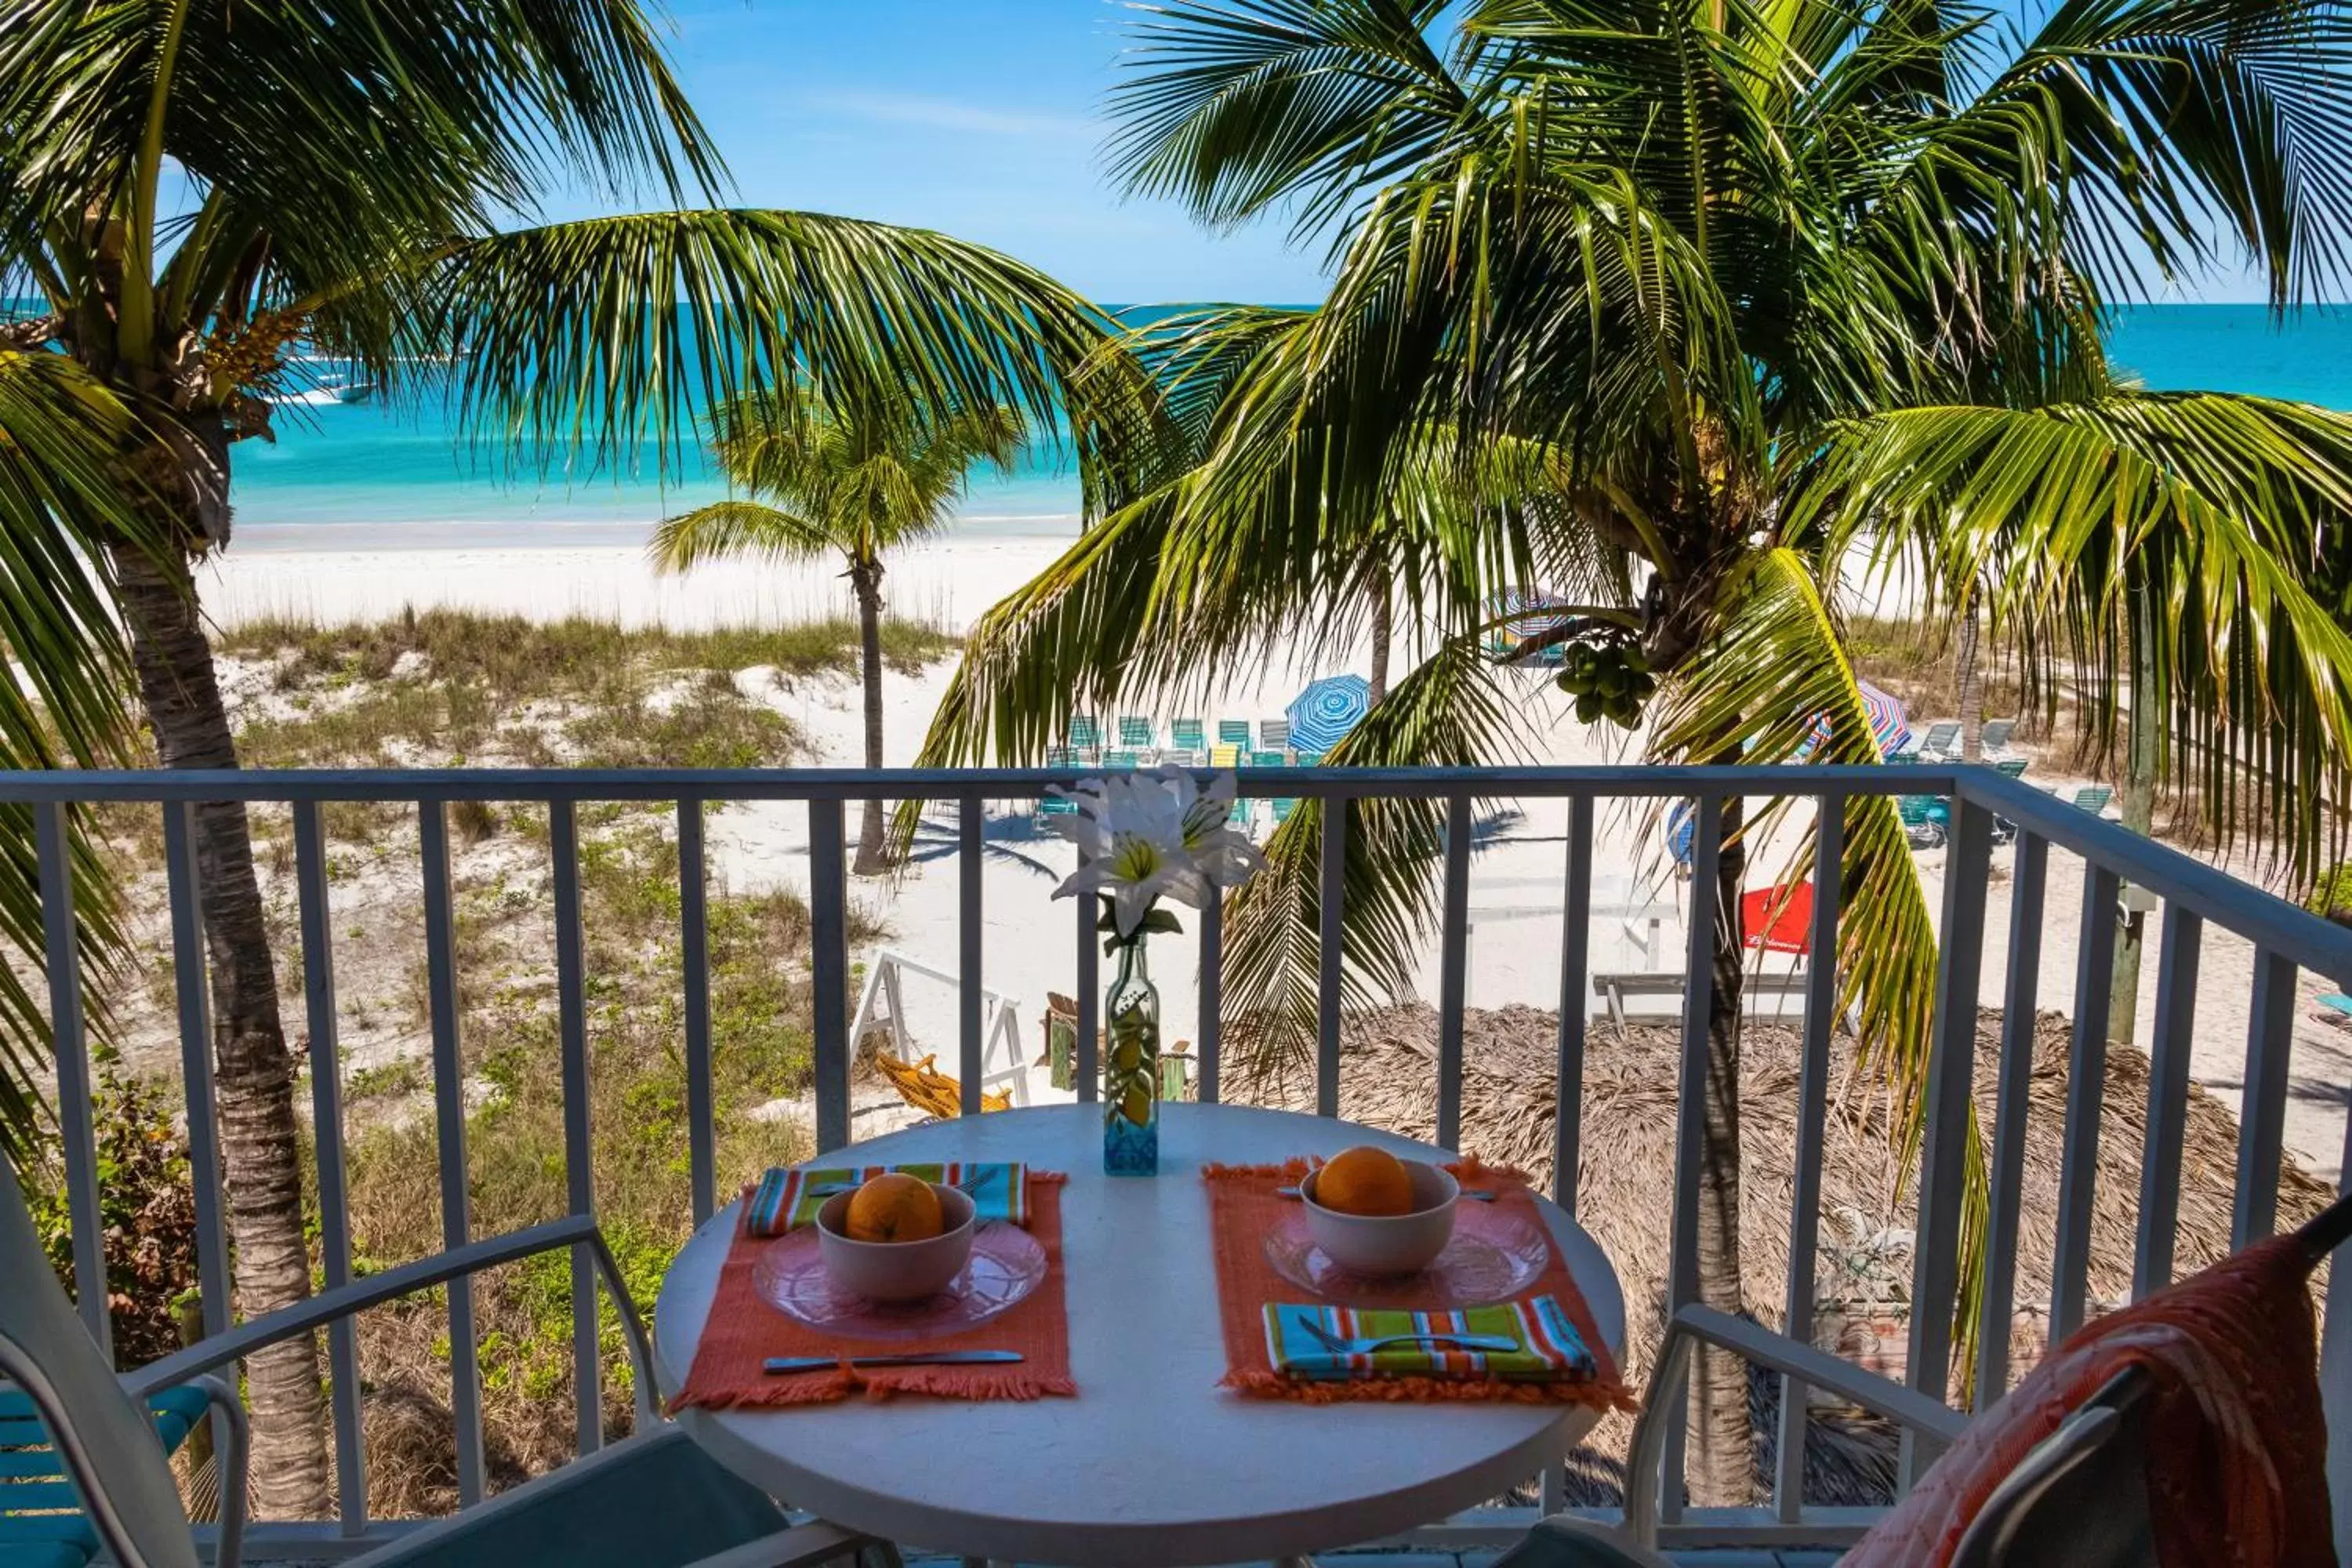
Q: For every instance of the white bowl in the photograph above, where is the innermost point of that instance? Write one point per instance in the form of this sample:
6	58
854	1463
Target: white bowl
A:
896	1270
1387	1243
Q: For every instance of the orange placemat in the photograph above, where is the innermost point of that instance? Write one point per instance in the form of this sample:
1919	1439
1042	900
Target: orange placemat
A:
1243	1205
744	1332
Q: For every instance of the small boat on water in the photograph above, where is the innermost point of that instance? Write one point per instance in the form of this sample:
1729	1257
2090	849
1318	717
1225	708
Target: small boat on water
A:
311	387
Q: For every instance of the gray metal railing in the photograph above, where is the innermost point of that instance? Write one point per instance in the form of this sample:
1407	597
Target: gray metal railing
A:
1984	807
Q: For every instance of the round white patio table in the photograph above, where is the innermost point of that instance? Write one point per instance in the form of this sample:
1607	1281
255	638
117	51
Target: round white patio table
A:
1151	1465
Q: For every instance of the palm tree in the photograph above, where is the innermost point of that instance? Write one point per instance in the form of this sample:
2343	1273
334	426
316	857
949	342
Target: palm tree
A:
859	480
1672	304
193	192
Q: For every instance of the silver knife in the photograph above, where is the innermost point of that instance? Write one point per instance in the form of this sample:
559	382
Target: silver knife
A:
915	1358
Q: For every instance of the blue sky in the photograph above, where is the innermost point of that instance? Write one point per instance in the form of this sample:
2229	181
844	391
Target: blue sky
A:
980	118
977	116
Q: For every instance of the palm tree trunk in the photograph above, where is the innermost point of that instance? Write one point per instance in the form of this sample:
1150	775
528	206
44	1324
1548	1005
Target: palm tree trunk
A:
253	1074
1971	693
1721	1467
865	577
1381	610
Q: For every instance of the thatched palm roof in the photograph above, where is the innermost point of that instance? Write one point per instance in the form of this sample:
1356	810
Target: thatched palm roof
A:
1389	1079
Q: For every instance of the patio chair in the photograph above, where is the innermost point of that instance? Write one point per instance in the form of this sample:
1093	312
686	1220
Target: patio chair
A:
2010	767
2078	1498
1269	759
1994	736
1234	733
2094	798
1189	735
1122	759
1086	732
1274	734
42	1523
649	1500
1224	755
1137	732
1926	819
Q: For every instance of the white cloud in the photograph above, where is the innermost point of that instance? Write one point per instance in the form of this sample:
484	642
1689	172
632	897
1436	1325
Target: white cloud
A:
945	114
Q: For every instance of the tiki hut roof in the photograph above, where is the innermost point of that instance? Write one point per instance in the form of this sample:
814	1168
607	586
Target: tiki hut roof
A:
1389	1079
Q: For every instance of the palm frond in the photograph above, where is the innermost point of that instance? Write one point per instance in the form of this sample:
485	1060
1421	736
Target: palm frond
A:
62	501
2221	504
609	336
731	530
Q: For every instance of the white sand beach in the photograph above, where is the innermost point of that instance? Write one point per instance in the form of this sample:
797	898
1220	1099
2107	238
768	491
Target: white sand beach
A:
1029	943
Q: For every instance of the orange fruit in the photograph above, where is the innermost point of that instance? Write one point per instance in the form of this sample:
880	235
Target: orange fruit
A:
892	1207
1365	1181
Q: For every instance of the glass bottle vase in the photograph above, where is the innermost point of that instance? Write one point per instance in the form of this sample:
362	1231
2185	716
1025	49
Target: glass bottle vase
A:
1131	1068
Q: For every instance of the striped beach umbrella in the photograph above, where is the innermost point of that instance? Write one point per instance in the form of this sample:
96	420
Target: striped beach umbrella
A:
1886	723
1321	716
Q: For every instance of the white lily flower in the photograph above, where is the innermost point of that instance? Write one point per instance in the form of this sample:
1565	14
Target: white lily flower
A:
1143	836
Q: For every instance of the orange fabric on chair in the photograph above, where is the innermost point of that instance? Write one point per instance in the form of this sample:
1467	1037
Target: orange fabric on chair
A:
2236	1440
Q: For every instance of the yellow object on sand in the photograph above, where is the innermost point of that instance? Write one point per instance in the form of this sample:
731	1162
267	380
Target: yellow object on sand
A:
924	1087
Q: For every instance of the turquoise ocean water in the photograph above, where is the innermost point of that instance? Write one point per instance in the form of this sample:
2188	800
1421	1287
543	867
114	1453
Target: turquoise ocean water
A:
398	475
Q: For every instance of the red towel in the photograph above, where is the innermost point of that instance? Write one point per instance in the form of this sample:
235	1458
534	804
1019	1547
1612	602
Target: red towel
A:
2236	1441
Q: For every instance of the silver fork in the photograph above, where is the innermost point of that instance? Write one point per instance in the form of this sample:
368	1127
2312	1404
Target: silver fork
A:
1339	1345
969	1185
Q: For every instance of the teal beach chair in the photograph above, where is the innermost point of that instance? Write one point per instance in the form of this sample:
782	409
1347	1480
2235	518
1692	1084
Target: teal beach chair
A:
1137	732
1926	819
1189	735
1234	732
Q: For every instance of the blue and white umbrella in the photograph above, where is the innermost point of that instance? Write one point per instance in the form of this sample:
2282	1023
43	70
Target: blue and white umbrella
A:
1887	726
1321	716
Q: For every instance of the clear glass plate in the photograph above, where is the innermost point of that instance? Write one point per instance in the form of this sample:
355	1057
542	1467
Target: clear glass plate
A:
1493	1256
1006	1264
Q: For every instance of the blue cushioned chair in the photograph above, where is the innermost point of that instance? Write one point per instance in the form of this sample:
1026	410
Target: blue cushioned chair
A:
649	1500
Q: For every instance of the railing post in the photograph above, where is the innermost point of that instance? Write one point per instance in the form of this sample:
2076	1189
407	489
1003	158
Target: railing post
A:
2261	1110
1330	945
2167	1099
1951	1073
579	1169
69	1048
327	1132
191	981
972	814
1575	942
2086	1089
829	973
1212	992
1690	1120
449	1116
694	964
1813	1114
1453	976
2013	1107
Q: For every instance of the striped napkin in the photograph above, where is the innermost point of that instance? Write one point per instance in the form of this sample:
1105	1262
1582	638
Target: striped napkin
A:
787	1199
1300	1342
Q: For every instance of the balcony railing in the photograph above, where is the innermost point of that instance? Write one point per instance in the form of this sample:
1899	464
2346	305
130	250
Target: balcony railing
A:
1984	807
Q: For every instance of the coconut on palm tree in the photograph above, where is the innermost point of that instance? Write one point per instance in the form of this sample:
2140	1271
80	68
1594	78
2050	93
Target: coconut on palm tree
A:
192	194
1684	308
857	477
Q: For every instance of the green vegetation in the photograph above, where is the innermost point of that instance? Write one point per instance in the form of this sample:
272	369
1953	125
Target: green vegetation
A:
447	687
1687	314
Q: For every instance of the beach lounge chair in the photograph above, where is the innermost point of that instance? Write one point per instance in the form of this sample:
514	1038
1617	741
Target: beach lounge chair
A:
1189	735
1224	755
1269	759
2094	798
652	1499
2010	767
1942	740
1926	819
2335	1008
1245	809
1285	805
1308	758
928	1089
1137	732
1086	732
1234	732
1994	737
1274	734
1122	760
